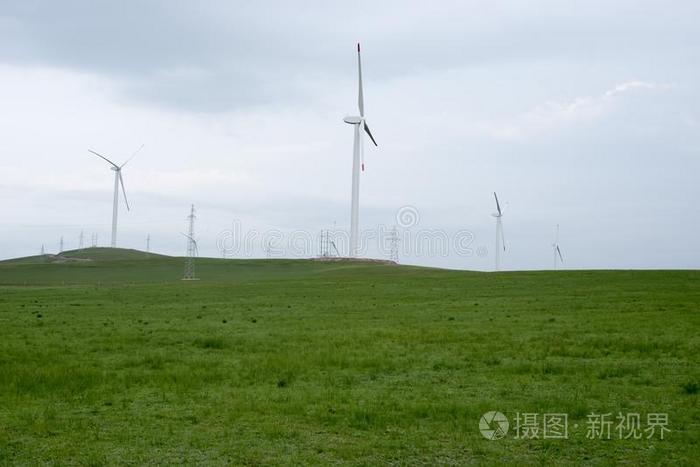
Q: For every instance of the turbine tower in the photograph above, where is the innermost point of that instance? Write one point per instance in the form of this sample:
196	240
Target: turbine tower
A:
555	249
500	239
359	125
191	249
118	180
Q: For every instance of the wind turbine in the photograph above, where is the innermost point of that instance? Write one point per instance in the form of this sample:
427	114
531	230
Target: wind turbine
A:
118	180
556	251
500	239
358	159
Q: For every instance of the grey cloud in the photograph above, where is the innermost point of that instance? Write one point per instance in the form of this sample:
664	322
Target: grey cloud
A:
215	56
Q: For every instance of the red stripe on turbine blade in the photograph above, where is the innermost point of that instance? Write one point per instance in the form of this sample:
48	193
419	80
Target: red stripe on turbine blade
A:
363	166
358	47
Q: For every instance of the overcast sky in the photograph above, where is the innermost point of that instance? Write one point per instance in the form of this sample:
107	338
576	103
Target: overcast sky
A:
583	114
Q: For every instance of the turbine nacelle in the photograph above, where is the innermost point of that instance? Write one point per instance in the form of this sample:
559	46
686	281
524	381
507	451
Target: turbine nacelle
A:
353	120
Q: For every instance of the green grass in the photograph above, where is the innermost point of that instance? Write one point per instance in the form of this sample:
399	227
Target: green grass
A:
116	360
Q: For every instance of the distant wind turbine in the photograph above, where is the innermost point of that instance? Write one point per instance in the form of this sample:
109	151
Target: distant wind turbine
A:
118	180
500	238
556	250
358	159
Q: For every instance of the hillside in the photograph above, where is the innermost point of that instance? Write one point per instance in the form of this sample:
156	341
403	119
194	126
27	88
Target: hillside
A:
88	254
118	265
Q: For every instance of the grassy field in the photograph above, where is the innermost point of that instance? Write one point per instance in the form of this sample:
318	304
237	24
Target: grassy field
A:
115	360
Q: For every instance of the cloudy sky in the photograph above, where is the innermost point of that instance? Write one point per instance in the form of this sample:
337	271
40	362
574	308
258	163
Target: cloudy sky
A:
583	114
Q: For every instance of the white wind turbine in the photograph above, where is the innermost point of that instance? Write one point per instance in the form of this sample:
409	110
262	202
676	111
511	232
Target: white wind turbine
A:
500	239
117	181
359	125
555	249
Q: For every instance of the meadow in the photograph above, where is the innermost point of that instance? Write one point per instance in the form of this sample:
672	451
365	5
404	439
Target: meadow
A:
115	360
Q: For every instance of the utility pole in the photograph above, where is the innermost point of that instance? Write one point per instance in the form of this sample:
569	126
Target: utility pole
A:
191	248
394	245
324	244
328	243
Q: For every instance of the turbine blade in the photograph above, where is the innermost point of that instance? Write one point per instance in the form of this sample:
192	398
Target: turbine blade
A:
335	248
190	238
360	96
362	151
121	181
132	156
369	133
559	251
498	206
103	157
